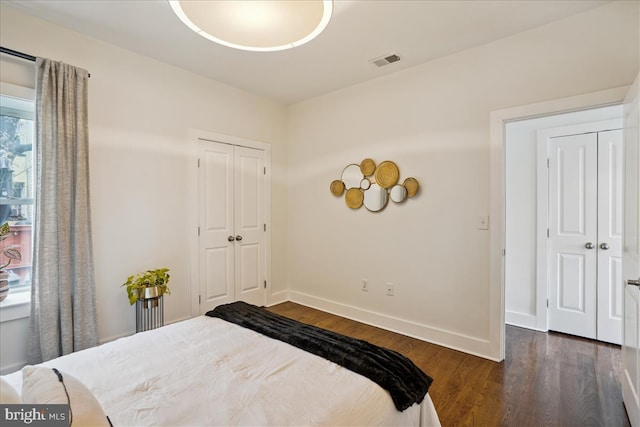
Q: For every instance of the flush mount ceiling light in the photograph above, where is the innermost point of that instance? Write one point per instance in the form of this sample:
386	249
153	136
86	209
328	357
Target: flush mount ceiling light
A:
258	25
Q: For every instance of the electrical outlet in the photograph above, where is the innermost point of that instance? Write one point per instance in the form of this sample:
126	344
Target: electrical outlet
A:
483	222
390	289
365	285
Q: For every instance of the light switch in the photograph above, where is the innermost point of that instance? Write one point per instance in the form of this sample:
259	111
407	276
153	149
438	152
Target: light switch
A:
483	222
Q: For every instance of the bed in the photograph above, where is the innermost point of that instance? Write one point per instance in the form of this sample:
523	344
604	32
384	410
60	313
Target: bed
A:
206	371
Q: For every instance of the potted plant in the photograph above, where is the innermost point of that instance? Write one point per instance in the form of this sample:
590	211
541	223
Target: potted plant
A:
11	253
148	285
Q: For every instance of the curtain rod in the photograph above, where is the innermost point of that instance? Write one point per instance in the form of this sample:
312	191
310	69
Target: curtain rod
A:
22	55
18	54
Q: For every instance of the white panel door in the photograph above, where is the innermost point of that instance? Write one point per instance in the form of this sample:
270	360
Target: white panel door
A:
573	234
216	206
232	250
610	283
249	226
630	380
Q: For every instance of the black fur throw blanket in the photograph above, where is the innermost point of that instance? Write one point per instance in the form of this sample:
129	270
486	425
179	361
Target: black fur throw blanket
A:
392	371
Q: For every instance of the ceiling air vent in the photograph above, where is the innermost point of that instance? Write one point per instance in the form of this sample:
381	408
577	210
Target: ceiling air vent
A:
385	60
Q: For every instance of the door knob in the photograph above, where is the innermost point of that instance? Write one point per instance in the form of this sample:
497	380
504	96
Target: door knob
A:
604	246
589	245
238	237
634	282
231	238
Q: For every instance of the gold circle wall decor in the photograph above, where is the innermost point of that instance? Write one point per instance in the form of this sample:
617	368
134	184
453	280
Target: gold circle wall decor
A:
367	166
387	174
372	186
354	198
412	186
337	188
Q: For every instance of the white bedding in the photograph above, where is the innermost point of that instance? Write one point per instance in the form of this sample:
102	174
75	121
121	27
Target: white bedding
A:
205	372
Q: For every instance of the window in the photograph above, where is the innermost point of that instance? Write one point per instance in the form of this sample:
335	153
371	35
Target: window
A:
16	185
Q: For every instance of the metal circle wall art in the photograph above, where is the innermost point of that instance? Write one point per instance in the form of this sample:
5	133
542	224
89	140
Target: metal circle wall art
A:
337	187
387	174
354	198
367	166
373	186
411	184
398	193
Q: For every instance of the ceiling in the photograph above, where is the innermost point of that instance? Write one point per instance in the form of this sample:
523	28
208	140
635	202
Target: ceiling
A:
361	30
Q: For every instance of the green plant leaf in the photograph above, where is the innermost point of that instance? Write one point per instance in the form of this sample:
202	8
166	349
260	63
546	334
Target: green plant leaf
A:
12	253
4	229
158	277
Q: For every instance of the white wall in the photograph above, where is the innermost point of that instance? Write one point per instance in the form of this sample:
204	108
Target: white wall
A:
433	120
140	113
520	210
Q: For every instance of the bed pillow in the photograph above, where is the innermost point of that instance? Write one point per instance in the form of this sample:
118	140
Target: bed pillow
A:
8	395
47	386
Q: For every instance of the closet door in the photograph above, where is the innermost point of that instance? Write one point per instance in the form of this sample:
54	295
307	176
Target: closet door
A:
585	233
216	250
250	225
610	281
231	245
573	207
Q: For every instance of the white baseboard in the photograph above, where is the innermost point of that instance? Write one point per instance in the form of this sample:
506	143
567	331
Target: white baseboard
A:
522	320
277	298
476	346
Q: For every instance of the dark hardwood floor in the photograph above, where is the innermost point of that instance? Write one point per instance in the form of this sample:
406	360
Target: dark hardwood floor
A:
545	380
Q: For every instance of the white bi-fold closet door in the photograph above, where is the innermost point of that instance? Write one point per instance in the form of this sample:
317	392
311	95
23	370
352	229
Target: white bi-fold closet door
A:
585	233
232	248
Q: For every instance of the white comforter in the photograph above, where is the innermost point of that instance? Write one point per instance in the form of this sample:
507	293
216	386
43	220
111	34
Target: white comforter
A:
205	372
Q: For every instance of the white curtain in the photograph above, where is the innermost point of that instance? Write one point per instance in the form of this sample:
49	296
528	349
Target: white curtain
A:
63	309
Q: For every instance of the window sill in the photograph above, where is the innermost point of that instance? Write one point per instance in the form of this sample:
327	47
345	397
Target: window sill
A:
17	305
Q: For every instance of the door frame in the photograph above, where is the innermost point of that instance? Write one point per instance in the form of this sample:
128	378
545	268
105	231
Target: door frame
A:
542	205
630	254
195	136
498	120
